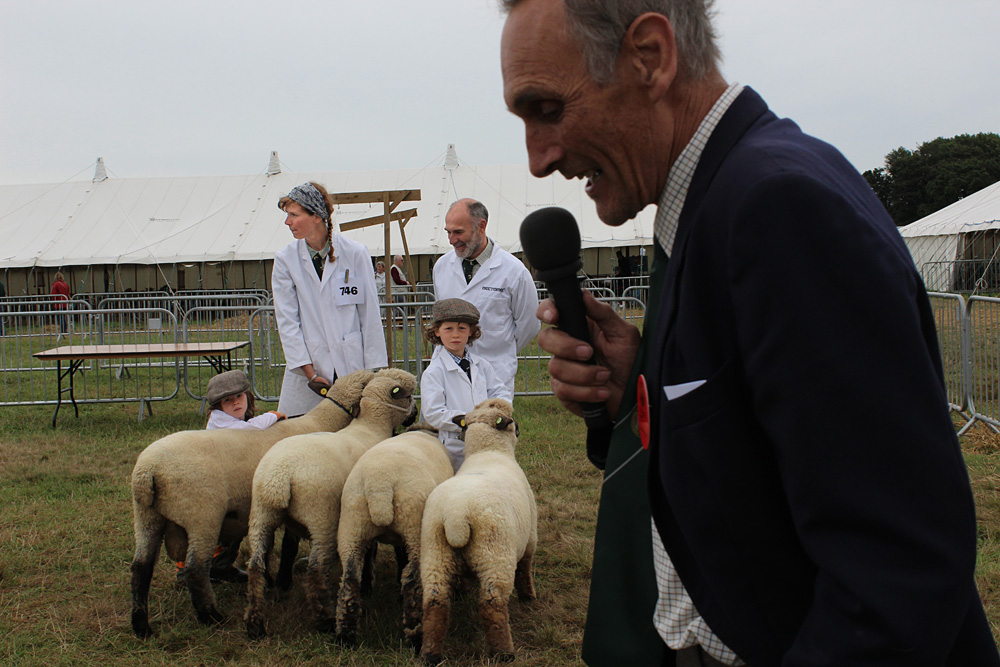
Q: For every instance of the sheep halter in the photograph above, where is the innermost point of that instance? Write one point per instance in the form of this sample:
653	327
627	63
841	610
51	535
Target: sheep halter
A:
337	403
388	405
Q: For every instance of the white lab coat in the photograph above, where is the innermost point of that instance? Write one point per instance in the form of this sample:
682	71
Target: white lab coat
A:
316	324
505	295
220	419
446	392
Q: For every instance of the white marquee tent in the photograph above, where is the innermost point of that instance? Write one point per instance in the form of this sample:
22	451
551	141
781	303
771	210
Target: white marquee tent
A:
167	221
956	248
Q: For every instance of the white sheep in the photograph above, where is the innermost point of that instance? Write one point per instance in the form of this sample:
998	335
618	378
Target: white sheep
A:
484	517
384	499
298	484
193	487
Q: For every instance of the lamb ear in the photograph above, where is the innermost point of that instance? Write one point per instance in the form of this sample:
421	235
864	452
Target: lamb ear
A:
503	423
356	410
459	421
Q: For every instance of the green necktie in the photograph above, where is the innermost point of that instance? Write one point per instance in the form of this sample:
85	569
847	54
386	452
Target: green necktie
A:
623	592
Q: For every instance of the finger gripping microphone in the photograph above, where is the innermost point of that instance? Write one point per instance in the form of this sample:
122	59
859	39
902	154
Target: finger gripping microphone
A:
551	242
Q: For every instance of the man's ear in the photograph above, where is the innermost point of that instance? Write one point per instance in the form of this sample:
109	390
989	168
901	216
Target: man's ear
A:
652	52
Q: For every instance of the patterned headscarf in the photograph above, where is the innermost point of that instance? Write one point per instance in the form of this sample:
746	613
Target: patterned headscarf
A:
309	198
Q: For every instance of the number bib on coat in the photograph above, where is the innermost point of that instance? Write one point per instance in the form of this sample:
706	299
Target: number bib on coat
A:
349	290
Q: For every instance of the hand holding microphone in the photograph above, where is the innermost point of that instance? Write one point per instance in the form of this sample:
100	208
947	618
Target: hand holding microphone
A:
551	241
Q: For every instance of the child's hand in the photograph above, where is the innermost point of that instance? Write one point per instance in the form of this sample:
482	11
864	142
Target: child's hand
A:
279	415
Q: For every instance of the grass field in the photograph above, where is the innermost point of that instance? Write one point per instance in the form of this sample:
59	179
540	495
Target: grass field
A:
66	543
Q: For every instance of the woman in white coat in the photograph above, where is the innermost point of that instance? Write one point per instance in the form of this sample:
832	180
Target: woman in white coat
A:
325	301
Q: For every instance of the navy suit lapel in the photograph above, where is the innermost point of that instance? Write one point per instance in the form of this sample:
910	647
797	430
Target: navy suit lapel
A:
744	112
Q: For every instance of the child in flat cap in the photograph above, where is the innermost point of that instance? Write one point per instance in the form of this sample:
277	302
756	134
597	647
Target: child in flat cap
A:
232	403
456	380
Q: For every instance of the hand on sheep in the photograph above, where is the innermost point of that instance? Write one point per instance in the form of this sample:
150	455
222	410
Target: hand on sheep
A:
320	385
279	415
615	344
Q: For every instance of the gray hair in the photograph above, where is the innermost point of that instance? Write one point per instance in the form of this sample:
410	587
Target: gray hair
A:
599	27
476	209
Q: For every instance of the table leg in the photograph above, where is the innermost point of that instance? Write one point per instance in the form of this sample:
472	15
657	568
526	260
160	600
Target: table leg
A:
58	391
215	362
74	365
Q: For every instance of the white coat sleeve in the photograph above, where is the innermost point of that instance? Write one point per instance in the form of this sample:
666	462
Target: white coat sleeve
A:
524	304
263	421
494	387
438	265
286	314
433	399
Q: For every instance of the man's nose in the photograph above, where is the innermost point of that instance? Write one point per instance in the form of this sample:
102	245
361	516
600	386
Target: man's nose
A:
543	151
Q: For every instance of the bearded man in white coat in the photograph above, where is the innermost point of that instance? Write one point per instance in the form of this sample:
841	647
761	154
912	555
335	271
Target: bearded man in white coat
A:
492	279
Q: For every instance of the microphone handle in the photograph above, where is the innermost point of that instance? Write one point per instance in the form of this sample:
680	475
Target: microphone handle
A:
568	297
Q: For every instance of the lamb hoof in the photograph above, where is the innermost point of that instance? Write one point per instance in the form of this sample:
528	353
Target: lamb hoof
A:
256	630
432	658
211	617
346	639
327	626
140	625
416	643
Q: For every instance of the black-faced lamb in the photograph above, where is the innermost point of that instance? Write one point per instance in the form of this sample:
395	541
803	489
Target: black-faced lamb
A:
485	518
384	499
298	483
193	487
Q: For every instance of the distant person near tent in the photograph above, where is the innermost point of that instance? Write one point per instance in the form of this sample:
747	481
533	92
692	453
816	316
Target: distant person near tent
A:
325	301
60	293
380	280
399	282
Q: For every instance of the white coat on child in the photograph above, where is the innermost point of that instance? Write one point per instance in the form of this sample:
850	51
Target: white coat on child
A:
219	419
229	395
445	389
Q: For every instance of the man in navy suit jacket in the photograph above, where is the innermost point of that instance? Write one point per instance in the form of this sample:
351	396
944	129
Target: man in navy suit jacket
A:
810	500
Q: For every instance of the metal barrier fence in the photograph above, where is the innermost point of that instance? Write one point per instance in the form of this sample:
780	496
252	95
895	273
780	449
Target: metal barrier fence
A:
968	333
983	326
24	380
969	338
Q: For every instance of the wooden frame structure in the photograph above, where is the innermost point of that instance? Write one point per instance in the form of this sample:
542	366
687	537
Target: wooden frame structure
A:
390	200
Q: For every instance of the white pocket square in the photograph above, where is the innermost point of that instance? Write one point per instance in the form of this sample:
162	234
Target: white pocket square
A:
675	391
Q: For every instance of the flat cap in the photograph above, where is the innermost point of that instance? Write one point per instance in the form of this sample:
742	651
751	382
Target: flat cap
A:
227	384
454	310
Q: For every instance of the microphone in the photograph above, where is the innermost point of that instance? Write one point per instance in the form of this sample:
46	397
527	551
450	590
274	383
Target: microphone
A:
550	239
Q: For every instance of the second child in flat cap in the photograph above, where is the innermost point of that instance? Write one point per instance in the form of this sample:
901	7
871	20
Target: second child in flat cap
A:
232	403
456	380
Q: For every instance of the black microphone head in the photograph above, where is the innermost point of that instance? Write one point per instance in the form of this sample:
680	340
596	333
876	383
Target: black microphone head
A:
550	238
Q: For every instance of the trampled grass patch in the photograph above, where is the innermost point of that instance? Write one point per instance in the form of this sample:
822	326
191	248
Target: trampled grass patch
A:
66	543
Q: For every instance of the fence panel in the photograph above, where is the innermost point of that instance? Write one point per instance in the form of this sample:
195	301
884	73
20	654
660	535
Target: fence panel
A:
24	380
949	318
205	317
983	324
230	322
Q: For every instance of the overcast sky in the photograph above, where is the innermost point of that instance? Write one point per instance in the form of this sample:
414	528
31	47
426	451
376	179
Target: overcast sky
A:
210	87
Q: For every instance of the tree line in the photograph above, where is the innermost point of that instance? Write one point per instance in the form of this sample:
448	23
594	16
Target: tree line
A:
916	183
